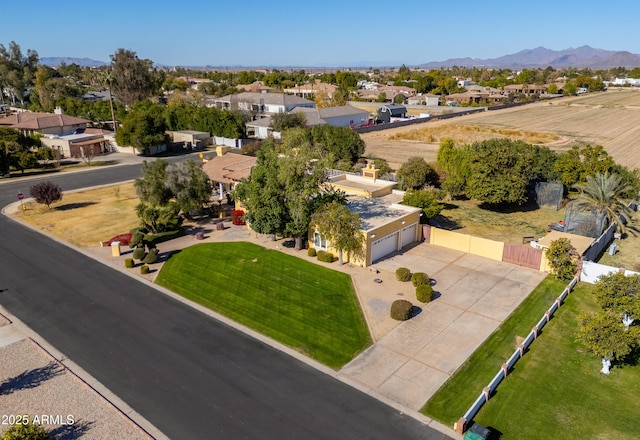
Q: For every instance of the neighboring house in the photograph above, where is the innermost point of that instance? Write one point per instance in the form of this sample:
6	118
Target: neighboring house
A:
626	81
57	124
424	99
387	225
341	116
191	138
310	90
477	97
390	112
226	169
526	89
256	87
84	143
262	103
261	129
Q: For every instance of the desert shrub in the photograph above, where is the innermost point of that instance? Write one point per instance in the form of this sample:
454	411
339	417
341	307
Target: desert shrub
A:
403	274
128	263
311	252
151	257
325	256
139	253
26	431
424	293
401	309
144	269
46	193
420	279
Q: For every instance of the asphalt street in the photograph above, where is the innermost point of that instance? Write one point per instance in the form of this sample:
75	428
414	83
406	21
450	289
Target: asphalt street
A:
188	374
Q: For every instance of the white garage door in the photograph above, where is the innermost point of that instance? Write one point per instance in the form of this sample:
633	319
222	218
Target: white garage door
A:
408	234
384	246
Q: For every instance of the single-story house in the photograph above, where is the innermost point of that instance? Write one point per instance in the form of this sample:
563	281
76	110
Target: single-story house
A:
262	103
387	225
191	138
261	128
342	116
58	123
225	170
311	89
85	144
424	99
388	112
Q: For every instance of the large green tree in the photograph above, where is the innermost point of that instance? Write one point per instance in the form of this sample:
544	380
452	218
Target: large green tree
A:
416	173
344	144
602	194
500	170
16	72
620	294
189	185
133	79
143	127
606	337
341	227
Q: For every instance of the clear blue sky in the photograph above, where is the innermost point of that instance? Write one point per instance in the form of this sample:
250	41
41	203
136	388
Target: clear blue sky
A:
319	33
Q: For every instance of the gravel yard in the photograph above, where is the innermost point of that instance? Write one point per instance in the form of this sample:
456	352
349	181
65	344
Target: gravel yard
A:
35	387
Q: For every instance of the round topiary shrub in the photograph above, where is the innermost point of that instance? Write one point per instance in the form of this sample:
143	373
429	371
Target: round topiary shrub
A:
144	269
128	263
139	253
136	239
311	252
424	293
420	279
403	274
401	309
151	257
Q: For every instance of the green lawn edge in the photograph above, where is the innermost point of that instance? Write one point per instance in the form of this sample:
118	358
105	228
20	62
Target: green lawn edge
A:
556	390
459	392
308	307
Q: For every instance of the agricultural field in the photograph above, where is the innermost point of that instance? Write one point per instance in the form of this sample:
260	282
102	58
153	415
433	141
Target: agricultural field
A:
606	118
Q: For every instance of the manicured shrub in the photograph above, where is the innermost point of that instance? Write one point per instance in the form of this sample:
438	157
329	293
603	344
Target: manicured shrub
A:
136	239
420	279
324	256
161	237
424	293
151	257
128	263
403	274
311	252
139	253
401	309
144	269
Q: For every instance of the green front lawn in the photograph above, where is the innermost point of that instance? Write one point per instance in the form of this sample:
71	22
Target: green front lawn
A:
555	391
308	307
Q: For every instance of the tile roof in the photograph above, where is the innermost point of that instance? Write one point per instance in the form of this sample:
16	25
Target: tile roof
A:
229	168
39	121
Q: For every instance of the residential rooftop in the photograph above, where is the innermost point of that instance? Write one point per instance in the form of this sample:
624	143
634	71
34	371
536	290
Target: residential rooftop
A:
378	211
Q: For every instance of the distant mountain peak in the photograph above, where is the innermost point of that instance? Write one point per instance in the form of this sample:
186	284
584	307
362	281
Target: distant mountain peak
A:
583	56
82	62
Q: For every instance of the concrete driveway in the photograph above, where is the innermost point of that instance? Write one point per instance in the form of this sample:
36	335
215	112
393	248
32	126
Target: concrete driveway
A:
474	296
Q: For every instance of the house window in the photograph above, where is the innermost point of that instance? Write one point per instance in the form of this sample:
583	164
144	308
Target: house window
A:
319	241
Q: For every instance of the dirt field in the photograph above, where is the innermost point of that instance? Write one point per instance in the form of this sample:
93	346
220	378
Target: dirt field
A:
606	118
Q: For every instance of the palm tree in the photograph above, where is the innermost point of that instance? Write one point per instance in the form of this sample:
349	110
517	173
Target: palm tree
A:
107	78
602	193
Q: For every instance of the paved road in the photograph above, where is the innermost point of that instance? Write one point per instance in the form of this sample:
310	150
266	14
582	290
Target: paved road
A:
188	374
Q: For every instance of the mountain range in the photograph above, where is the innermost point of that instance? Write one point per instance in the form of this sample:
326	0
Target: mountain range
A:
583	56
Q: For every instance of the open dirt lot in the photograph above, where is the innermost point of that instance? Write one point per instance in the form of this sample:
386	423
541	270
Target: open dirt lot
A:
606	118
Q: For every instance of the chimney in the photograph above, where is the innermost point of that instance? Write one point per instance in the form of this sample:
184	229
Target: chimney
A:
370	171
58	111
221	150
